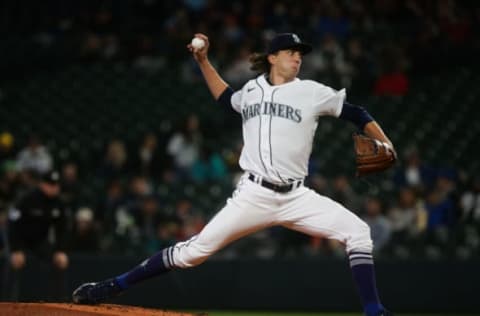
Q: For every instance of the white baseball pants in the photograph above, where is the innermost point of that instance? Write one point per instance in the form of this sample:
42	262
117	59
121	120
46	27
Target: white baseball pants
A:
253	207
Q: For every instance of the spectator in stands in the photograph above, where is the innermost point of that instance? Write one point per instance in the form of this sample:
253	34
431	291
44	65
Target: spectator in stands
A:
408	217
167	233
190	218
239	70
71	187
9	182
139	188
334	22
441	210
6	147
392	83
184	146
34	157
148	156
27	180
393	80
232	31
146	59
125	238
108	206
209	166
91	47
126	233
114	164
359	67
470	202
147	219
344	194
32	221
85	235
414	173
380	226
328	62
442	201
454	22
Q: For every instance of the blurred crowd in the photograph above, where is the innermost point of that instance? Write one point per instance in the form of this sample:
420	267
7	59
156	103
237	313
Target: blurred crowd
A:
147	197
126	211
371	46
139	198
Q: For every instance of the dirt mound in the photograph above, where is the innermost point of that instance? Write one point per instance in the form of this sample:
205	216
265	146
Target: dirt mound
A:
54	309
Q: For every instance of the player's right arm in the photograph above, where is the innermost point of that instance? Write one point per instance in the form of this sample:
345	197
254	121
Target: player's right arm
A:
215	83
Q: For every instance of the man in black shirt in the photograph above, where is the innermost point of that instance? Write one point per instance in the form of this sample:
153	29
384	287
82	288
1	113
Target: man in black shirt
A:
37	226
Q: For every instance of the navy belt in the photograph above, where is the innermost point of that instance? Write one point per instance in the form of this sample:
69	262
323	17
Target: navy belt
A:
275	187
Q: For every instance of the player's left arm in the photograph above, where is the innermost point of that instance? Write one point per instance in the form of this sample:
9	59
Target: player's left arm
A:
364	121
373	130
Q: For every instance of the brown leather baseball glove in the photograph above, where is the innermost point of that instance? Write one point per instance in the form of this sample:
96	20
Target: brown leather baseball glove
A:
372	155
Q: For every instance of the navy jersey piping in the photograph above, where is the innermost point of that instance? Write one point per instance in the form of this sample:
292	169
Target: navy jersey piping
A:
270	140
260	130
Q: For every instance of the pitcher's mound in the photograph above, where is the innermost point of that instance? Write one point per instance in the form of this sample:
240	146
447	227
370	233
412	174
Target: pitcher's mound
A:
54	309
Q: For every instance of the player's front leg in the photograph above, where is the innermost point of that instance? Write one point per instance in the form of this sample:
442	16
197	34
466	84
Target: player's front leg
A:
220	231
238	218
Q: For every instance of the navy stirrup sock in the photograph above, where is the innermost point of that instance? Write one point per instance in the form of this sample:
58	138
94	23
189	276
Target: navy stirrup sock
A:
361	264
159	263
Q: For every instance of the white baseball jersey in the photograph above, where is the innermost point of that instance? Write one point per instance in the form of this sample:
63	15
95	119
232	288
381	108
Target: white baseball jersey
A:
279	124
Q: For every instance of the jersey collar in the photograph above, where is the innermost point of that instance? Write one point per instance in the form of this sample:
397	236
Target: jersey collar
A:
263	80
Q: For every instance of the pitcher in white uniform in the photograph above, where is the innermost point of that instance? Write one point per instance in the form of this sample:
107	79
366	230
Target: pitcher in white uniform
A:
280	114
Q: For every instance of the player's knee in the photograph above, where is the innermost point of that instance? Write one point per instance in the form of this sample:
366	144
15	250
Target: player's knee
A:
192	255
360	239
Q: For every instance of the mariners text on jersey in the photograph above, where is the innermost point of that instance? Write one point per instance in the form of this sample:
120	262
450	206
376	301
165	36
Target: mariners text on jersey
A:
273	109
279	123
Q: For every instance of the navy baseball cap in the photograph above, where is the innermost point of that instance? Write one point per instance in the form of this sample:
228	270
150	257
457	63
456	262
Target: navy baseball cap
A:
288	41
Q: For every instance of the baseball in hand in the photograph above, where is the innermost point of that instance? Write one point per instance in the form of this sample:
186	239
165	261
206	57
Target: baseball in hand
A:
198	43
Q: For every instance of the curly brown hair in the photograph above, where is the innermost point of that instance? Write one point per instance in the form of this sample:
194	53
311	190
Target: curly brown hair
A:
259	62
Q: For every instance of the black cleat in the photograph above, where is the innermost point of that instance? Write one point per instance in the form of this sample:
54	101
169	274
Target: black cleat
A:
385	313
95	293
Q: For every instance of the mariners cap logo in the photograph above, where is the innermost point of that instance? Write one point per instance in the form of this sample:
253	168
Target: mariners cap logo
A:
288	41
296	39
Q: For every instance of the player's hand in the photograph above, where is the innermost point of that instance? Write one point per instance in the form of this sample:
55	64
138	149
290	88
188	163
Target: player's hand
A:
60	260
372	155
200	54
17	260
393	151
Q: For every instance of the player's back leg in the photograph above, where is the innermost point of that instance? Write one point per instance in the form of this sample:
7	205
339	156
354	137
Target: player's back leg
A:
316	215
306	211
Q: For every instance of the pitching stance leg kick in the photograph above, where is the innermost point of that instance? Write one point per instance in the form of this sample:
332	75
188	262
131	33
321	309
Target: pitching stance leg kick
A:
280	114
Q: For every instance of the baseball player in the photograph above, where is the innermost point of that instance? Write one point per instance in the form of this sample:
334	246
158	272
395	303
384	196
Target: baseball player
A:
280	114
